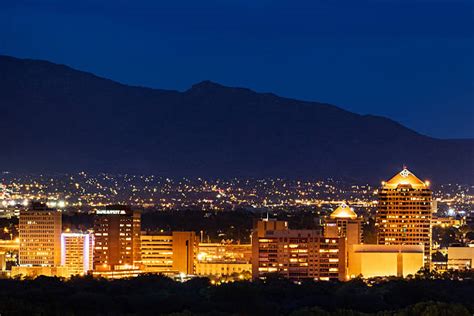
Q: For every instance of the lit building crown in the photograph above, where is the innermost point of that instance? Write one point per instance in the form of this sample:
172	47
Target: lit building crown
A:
405	177
343	211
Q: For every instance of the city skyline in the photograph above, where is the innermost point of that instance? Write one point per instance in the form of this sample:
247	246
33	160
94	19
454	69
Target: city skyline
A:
118	245
280	157
403	234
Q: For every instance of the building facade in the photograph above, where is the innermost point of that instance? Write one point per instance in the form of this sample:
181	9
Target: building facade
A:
224	251
40	236
404	213
117	231
173	252
296	254
460	258
371	261
184	251
343	222
223	259
157	252
77	252
222	268
8	253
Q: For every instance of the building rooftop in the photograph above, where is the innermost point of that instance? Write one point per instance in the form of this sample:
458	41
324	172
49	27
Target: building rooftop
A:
405	178
371	248
343	211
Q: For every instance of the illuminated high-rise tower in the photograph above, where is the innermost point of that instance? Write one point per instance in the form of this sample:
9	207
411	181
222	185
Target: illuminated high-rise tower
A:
117	237
40	236
404	212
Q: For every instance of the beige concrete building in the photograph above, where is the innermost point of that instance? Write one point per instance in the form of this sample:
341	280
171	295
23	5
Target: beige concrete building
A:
184	252
172	252
460	258
404	213
385	260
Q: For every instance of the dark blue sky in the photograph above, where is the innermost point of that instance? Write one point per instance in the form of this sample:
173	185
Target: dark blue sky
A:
412	61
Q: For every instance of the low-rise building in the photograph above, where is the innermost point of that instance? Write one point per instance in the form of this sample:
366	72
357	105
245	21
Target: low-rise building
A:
446	222
222	268
8	252
223	259
169	252
35	271
460	258
385	260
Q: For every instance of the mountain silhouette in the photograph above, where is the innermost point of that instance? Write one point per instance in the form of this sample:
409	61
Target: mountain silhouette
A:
58	119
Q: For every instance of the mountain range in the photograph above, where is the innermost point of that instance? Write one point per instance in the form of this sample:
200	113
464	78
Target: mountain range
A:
58	119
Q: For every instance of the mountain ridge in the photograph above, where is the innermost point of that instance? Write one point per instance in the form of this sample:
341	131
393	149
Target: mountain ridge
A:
97	124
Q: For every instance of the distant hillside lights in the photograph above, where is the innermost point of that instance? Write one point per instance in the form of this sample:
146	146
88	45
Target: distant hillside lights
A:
25	202
59	204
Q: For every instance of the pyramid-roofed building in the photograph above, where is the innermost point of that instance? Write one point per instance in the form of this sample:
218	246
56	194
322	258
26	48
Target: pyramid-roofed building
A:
404	213
343	211
405	178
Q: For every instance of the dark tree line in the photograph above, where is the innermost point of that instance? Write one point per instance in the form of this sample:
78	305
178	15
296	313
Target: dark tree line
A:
158	295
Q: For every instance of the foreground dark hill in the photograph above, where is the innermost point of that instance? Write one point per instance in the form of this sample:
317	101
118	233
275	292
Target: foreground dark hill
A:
54	118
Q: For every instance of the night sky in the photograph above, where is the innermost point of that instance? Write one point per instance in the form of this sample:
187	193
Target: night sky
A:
412	61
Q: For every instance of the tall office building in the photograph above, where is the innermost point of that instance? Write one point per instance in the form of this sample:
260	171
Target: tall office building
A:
40	236
296	254
77	252
117	237
404	213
